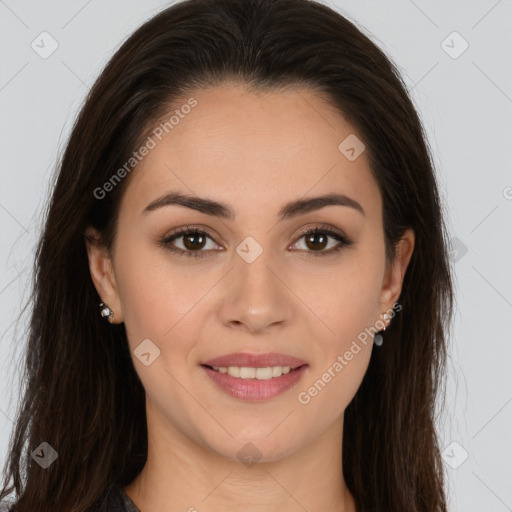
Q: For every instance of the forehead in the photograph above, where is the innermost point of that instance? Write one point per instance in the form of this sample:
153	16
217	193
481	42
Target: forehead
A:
254	149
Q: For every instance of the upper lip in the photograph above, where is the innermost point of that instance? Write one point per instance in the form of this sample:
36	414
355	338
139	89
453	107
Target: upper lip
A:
255	360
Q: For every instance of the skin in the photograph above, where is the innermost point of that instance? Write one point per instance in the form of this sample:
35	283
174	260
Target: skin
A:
254	152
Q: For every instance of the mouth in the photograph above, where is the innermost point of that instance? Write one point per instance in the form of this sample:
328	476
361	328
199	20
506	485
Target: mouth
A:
254	384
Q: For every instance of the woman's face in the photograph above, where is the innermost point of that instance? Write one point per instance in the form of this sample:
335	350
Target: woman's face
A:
251	282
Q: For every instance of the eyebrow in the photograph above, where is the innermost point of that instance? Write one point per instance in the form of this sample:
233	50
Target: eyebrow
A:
216	209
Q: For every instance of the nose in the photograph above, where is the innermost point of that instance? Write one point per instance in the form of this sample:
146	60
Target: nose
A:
256	295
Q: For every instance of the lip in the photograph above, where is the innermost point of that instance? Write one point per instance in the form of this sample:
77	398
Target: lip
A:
255	389
255	360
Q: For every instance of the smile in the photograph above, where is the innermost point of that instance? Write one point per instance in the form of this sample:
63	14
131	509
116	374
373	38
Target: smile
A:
249	383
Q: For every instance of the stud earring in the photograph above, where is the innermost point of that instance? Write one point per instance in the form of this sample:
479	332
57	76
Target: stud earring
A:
378	339
105	311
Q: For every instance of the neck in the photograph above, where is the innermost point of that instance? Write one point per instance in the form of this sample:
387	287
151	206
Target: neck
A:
181	474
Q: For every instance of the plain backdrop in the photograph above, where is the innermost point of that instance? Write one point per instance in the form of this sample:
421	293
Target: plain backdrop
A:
456	58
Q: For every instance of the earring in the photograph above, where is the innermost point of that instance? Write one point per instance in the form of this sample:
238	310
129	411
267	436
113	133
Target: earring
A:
378	339
105	311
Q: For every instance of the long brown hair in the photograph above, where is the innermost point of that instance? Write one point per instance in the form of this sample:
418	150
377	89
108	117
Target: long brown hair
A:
82	395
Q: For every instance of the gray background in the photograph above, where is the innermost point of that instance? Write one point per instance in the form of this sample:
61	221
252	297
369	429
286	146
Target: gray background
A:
465	101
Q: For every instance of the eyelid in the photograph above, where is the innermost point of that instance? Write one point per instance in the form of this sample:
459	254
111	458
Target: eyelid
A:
194	229
302	232
325	228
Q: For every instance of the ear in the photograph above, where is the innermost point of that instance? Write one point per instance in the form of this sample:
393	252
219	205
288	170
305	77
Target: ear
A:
102	273
395	271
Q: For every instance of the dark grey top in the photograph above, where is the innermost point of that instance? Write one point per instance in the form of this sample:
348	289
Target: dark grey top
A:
128	503
119	501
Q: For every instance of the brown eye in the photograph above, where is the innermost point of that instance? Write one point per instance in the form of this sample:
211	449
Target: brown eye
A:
317	241
193	243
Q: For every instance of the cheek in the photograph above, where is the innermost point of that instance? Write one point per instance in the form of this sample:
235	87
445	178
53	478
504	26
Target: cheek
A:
163	299
331	387
153	293
348	305
347	298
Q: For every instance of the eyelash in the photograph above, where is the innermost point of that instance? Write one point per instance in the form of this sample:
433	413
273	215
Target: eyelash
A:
341	238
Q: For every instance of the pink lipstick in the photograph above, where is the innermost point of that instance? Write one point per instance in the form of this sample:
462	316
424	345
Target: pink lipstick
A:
255	376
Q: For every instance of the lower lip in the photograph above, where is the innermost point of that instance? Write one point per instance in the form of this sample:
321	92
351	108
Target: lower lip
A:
255	389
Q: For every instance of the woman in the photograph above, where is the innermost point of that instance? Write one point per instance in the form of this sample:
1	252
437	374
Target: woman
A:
243	289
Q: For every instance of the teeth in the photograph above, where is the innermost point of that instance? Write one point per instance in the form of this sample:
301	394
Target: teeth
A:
244	372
